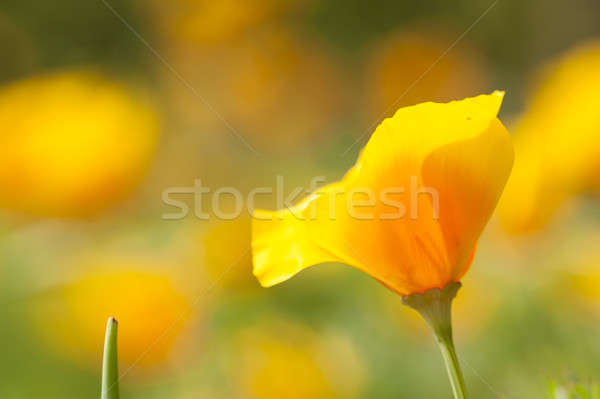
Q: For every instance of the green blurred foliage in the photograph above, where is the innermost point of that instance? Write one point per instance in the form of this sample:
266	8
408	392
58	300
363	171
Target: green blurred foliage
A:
62	34
574	391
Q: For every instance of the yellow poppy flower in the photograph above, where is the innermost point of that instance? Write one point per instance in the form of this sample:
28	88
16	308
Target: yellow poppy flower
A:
557	142
72	144
456	154
451	161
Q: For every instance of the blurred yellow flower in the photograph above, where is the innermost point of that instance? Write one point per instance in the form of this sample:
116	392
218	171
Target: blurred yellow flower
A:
397	67
146	303
557	142
587	286
579	281
73	144
283	360
451	160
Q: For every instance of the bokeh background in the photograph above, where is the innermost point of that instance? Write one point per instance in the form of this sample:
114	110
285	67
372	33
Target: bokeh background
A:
104	104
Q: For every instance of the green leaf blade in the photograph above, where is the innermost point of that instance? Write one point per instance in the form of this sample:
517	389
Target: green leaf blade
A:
110	367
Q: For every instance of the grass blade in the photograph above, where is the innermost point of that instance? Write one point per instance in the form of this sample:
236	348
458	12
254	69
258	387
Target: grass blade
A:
110	369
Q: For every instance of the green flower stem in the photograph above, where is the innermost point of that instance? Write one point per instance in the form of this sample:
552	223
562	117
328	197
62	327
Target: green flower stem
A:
435	307
110	369
453	367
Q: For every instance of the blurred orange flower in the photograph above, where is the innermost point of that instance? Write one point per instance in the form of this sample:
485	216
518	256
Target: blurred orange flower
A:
407	68
212	22
276	88
557	142
145	302
459	151
73	144
279	75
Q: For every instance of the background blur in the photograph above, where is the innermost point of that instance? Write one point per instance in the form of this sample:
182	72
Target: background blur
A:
105	104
